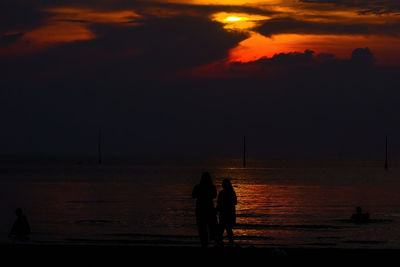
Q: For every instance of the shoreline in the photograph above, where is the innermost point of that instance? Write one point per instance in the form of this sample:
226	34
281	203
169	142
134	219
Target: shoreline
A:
122	248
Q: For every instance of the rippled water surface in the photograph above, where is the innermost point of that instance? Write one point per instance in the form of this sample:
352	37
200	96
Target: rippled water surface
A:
280	203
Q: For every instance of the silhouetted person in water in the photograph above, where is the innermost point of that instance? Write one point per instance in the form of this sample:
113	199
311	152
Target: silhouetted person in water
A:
20	229
227	211
206	217
360	217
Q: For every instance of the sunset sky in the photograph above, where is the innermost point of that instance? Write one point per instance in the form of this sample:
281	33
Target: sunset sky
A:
191	77
268	27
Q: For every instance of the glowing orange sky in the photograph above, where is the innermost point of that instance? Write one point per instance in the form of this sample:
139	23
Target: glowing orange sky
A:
258	46
68	24
386	48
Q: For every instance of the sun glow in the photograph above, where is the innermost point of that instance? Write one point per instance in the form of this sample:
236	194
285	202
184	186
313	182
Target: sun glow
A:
233	18
238	21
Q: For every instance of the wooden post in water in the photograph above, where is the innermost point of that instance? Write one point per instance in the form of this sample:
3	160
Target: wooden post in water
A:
99	147
244	151
386	156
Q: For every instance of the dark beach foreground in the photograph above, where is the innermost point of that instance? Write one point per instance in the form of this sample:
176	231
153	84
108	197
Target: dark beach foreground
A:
153	252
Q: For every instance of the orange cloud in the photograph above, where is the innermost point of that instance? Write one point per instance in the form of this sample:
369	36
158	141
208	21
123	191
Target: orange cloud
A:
67	25
258	46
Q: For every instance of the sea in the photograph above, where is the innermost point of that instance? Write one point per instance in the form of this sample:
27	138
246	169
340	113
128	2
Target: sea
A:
281	203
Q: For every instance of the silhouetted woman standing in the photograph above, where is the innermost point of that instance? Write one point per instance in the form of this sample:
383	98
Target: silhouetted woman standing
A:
206	217
227	211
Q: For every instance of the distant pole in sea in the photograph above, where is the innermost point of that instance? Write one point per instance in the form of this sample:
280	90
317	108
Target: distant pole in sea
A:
386	155
244	151
99	147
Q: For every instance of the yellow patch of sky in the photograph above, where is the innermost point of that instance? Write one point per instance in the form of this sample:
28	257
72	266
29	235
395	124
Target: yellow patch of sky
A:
229	2
258	46
238	21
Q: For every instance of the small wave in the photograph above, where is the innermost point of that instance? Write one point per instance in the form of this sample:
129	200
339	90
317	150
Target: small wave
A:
323	244
152	241
363	242
92	201
254	215
98	222
269	215
155	236
301	226
138	235
367	222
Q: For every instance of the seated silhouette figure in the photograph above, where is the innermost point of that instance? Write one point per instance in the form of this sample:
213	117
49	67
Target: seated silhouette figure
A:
21	228
360	217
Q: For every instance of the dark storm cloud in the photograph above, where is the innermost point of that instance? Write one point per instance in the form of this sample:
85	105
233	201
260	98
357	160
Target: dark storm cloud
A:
284	59
143	7
20	15
291	25
155	47
24	15
294	64
9	38
377	7
171	43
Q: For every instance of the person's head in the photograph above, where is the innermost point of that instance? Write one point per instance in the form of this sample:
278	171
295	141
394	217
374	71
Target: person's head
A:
205	178
358	209
18	212
226	184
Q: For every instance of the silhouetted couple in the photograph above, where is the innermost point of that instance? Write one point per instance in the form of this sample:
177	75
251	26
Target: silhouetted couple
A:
206	214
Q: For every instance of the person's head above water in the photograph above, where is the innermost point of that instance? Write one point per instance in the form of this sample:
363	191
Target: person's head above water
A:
205	178
358	209
18	212
226	184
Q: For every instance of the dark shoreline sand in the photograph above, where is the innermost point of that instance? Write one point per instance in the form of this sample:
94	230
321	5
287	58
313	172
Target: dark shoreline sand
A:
121	250
154	255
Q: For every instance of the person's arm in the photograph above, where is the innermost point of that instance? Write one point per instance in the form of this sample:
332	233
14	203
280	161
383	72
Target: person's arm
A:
214	192
234	198
218	202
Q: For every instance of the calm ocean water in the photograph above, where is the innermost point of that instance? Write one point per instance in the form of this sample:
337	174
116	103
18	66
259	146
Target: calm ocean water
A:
280	203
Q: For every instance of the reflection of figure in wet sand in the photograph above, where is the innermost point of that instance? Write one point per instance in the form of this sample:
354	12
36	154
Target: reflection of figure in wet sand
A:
360	217
227	212
206	217
20	229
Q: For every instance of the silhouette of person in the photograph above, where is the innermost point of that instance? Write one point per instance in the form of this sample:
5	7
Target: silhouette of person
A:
360	217
226	207
20	229
206	217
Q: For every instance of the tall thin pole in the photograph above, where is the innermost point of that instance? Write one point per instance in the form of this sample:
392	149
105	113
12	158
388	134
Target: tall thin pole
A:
386	155
99	147
244	151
